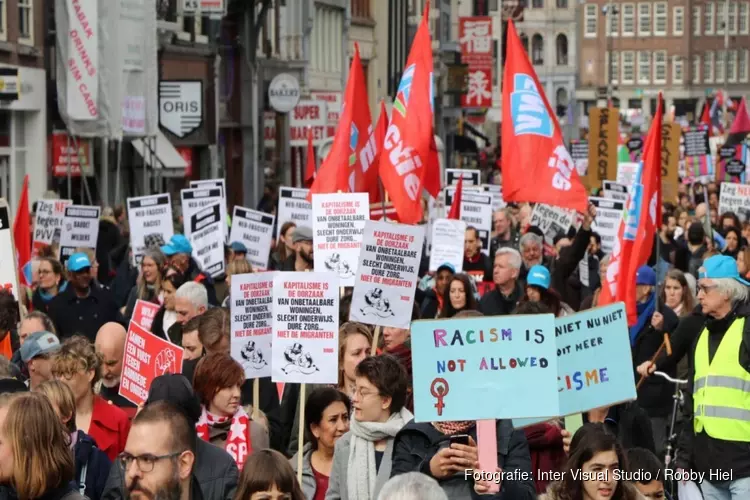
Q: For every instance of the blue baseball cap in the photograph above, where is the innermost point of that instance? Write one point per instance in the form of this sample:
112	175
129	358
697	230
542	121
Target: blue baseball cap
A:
78	261
178	243
645	276
538	276
446	266
720	266
39	343
238	247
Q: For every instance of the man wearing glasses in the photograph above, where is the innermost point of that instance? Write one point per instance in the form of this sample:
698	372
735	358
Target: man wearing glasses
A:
159	455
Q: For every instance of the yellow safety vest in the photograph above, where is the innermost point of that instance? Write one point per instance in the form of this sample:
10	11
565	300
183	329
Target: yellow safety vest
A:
721	388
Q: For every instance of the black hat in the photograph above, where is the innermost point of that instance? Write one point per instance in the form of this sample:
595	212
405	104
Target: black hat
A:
176	390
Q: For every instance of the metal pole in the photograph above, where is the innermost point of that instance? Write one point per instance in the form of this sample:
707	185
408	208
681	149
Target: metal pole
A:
70	172
105	171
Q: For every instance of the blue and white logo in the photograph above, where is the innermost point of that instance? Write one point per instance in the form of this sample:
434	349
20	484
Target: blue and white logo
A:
527	110
635	202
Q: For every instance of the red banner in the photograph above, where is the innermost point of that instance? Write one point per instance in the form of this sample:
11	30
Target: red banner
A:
60	155
146	357
475	37
187	155
144	313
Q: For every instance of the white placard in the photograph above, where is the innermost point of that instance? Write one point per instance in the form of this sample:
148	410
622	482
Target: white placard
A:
293	207
338	224
195	199
307	114
735	198
216	183
255	230
626	172
251	303
82	66
476	211
149	215
615	191
448	237
496	191
80	229
471	177
305	328
387	274
207	240
8	266
607	223
48	222
552	221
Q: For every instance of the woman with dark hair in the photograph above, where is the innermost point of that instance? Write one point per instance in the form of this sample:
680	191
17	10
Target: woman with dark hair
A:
729	219
326	420
284	248
166	316
51	282
595	455
733	238
538	290
458	296
743	262
676	294
268	476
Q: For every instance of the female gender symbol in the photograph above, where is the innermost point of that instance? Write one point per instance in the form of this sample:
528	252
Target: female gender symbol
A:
439	389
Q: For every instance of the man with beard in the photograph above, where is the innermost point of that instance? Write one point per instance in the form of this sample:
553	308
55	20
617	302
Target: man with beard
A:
159	456
668	245
110	344
302	259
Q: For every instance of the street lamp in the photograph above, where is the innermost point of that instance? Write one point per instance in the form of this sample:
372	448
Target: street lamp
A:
612	10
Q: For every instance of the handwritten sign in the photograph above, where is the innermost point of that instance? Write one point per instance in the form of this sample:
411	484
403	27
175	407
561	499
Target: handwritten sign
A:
387	274
448	237
293	207
305	328
48	223
148	216
144	313
146	357
499	360
252	315
604	124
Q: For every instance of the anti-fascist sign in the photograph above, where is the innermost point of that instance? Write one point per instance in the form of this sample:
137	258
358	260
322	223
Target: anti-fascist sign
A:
195	199
293	207
149	216
255	230
207	240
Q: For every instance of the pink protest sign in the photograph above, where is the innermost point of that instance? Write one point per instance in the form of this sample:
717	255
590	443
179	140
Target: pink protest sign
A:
144	313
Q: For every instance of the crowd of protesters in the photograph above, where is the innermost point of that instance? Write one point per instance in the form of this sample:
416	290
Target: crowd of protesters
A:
65	431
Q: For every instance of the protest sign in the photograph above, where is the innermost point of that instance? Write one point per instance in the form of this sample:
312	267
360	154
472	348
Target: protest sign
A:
255	230
48	223
449	192
735	198
305	328
500	360
607	223
195	199
448	237
149	216
387	274
80	229
615	191
604	125
476	211
338	222
293	207
579	152
634	145
144	313
146	357
251	303
216	183
496	191
207	239
671	134
471	177
626	172
552	221
8	265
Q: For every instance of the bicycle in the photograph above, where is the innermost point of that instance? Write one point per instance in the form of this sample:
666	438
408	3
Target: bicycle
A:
678	402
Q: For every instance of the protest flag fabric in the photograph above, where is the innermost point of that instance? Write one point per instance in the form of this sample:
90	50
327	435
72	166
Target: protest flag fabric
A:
740	126
408	157
706	118
455	212
373	177
310	165
22	234
532	144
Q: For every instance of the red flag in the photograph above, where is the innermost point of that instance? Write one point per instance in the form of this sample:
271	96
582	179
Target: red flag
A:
455	212
741	123
706	117
638	227
349	165
311	164
22	234
381	127
406	167
532	143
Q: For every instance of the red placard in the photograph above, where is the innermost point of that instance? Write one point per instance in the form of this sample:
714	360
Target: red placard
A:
144	313
475	37
60	155
146	357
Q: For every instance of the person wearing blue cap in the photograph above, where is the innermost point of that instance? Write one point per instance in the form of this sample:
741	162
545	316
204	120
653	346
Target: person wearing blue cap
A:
538	290
179	255
83	307
239	250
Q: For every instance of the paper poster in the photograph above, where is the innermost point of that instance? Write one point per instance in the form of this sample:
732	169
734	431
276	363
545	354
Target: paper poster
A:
499	360
735	198
293	207
626	172
144	313
251	303
476	211
215	183
615	191
146	357
207	239
471	177
579	152
448	237
305	328
8	265
80	229
604	125
552	221
255	230
149	216
607	223
194	200
387	274
48	223
338	224
496	191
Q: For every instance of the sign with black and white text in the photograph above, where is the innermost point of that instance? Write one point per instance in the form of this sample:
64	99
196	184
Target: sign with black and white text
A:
496	191
476	211
735	198
181	106
193	200
219	183
293	207
48	223
80	230
207	239
251	303
471	177
552	221
448	237
8	266
615	191
149	215
607	223
255	230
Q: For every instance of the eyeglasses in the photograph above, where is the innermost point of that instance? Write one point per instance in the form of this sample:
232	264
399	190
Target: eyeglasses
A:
705	288
364	393
146	461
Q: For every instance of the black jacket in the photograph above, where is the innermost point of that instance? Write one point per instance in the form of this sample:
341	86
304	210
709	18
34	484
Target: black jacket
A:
97	466
480	266
416	444
566	265
214	470
73	315
630	423
108	239
495	303
430	305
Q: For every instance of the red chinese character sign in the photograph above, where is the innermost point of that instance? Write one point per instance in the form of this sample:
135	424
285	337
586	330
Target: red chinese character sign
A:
475	37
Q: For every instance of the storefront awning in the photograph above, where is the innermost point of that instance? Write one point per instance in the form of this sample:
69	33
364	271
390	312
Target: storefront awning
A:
158	152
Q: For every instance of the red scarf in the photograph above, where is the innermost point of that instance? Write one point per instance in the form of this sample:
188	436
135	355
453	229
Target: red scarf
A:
238	444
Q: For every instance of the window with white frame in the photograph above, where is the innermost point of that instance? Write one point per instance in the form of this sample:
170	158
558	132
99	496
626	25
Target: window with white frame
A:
733	18
590	17
26	21
327	39
732	66
628	67
719	72
660	18
742	66
644	19
708	67
695	19
612	69
4	20
613	21
710	18
720	18
695	70
678	21
678	75
628	19
742	21
660	66
644	67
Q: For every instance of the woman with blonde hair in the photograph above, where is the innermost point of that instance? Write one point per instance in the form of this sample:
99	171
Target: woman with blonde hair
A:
148	284
239	266
34	456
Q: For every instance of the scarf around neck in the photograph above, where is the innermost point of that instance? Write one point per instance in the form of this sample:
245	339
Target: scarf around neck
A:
645	311
362	472
238	443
